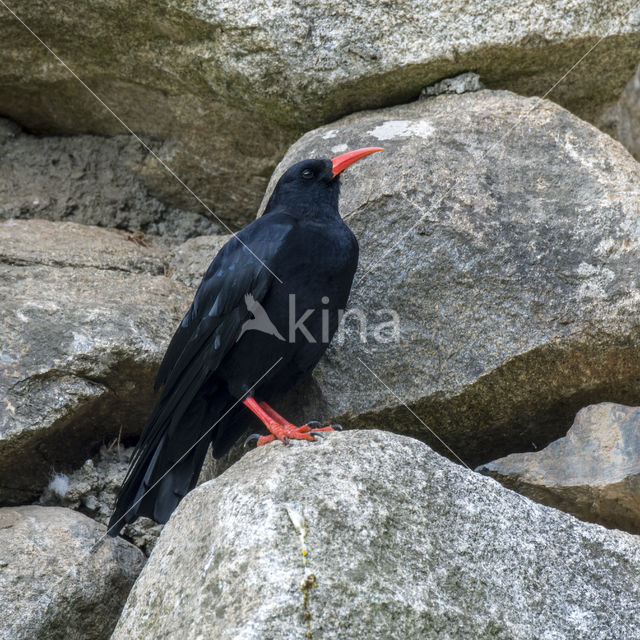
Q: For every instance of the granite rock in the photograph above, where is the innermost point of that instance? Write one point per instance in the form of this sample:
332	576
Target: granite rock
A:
370	535
222	88
497	292
87	179
86	316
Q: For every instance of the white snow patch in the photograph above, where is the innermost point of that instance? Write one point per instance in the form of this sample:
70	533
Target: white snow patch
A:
392	129
339	148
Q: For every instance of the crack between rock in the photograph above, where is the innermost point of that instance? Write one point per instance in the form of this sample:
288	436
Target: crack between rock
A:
56	374
17	262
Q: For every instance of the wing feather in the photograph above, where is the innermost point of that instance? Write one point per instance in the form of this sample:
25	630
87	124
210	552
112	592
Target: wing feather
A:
209	329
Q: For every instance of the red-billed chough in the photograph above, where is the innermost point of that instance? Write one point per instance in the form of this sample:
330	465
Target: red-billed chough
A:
262	317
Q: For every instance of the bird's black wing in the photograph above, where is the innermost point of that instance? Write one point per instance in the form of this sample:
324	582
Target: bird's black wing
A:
218	305
213	322
207	332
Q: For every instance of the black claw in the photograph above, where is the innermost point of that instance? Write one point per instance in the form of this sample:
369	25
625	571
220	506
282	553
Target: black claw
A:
311	422
317	434
336	427
253	436
285	440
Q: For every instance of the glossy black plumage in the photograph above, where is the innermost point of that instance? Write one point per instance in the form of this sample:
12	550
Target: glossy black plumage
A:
308	252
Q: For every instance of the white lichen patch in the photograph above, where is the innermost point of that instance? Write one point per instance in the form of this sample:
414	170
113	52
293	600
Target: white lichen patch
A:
81	343
332	133
339	148
597	279
392	129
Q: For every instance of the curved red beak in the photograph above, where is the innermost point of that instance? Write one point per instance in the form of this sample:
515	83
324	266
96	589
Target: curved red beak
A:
340	163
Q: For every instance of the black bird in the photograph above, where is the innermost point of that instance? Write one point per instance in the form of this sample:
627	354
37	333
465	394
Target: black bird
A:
262	317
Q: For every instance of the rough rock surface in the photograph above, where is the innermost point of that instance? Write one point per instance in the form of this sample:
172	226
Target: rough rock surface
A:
86	179
622	121
92	490
592	473
86	316
188	261
53	585
504	232
373	535
225	86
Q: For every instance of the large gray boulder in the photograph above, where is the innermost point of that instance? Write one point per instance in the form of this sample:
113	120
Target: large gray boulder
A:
592	473
372	535
56	583
86	316
221	88
497	292
86	179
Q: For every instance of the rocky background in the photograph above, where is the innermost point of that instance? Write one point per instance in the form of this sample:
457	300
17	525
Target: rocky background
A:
494	321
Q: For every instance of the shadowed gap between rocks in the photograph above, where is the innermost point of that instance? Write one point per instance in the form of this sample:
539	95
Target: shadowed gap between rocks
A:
122	402
615	509
547	386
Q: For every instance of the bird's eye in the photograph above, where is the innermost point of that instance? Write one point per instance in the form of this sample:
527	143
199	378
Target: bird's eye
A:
307	174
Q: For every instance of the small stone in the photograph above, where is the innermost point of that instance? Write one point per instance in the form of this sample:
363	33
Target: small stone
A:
464	83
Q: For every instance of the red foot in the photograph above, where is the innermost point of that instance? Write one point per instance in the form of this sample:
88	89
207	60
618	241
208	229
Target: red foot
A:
280	428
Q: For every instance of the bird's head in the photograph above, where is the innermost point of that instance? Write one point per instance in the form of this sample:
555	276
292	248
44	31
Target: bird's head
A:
313	186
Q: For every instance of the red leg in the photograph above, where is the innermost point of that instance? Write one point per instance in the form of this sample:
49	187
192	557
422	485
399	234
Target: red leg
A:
278	426
273	413
283	421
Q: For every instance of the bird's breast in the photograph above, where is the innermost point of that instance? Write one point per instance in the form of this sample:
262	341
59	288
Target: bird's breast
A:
295	321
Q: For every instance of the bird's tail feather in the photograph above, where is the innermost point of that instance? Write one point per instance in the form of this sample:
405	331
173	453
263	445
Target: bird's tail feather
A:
163	473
